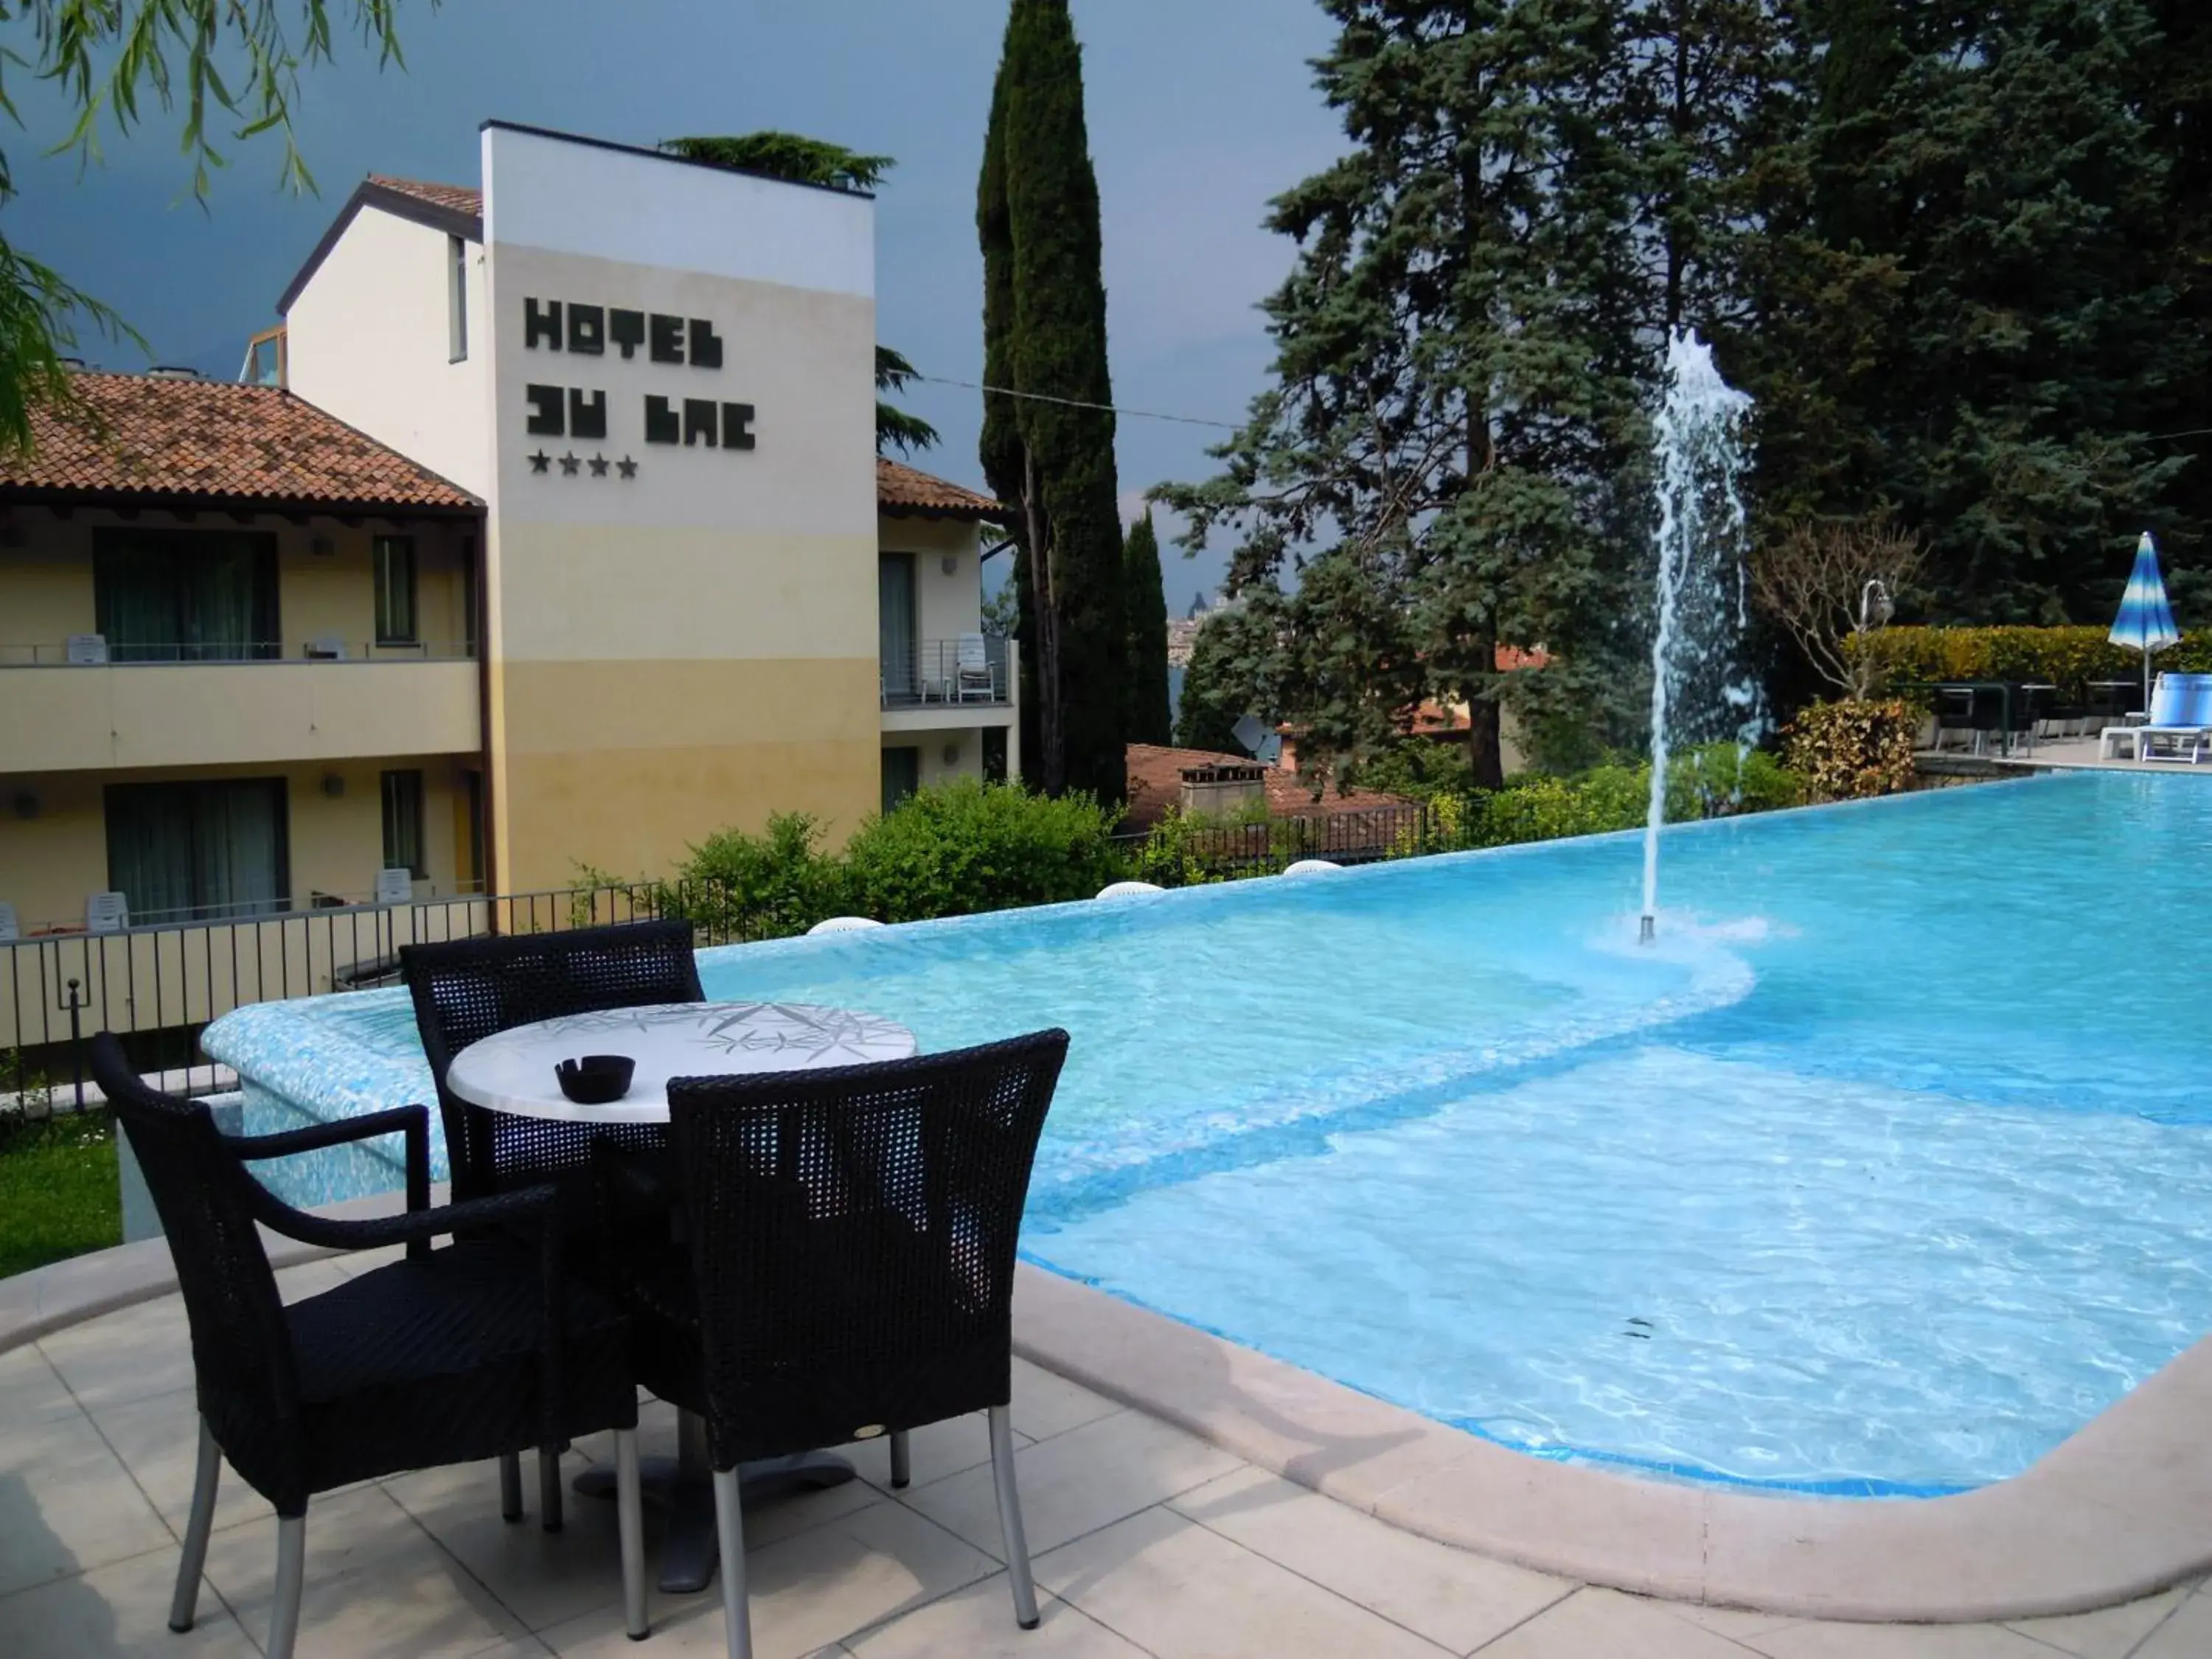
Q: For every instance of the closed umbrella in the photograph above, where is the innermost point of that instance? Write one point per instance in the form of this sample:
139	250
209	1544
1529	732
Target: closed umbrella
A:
2146	620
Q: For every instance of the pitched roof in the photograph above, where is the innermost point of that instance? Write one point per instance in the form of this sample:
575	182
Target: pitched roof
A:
186	440
903	491
1155	779
454	198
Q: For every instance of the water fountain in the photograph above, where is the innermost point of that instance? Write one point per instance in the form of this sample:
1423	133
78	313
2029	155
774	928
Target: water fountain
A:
1700	689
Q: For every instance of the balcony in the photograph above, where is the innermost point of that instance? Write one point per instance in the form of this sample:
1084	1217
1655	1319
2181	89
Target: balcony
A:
971	671
65	707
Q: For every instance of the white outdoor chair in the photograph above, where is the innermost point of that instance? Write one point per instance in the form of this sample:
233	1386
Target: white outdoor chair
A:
395	886
1128	890
83	649
8	928
973	677
843	925
106	913
1312	867
326	648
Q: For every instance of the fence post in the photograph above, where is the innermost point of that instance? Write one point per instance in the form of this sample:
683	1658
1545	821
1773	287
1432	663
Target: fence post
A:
76	1045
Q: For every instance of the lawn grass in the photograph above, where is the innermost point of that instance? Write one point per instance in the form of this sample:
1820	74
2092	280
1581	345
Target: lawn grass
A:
58	1190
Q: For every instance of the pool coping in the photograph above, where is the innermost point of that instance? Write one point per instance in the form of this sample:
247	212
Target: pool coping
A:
2118	1511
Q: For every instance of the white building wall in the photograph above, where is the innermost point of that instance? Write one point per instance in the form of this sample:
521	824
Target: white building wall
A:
369	340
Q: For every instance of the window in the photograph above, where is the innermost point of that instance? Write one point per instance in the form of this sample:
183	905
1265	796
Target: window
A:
395	590
185	595
187	852
468	832
995	754
901	775
403	822
457	298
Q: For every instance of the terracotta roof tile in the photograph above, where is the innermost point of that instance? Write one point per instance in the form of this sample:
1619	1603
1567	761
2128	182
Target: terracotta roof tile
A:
904	489
1155	775
457	198
217	440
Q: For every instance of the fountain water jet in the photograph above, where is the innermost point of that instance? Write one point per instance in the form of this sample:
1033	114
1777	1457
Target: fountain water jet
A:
1698	685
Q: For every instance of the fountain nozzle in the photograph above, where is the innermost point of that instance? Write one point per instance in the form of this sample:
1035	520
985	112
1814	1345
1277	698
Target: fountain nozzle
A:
1647	931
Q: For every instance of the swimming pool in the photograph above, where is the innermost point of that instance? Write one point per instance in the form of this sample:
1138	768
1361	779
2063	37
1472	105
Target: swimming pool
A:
1887	1169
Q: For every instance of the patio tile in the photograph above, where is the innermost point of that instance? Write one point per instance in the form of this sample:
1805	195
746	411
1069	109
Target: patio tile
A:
1845	1641
809	1592
938	1450
67	1505
2109	1633
978	1623
1593	1621
158	1441
1180	1591
1455	1599
119	1612
378	1586
2186	1635
1077	1482
1046	1403
132	1355
1737	1624
31	1390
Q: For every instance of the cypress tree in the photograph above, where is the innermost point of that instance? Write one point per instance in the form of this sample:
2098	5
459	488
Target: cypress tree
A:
1044	320
1148	718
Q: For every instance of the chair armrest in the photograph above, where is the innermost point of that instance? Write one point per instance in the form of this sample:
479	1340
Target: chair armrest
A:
410	1227
413	1121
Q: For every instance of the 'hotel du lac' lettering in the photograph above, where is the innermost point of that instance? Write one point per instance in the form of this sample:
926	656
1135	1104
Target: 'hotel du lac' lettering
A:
579	413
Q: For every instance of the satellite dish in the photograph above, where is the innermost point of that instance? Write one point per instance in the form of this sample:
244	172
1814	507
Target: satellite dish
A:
1249	732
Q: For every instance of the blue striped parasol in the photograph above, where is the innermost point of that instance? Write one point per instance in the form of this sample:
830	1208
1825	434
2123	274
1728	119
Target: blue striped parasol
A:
2146	620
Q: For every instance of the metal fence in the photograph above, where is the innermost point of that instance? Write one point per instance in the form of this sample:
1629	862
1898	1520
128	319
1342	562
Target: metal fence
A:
158	986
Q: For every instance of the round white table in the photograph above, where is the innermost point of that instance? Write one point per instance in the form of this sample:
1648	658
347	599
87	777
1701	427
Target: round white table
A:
513	1071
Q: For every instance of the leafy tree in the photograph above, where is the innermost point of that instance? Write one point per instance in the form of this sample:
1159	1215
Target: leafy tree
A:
1049	453
223	60
805	160
1148	719
1228	660
1451	443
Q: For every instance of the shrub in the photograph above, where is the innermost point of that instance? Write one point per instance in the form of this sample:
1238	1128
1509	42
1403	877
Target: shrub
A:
1849	751
965	846
2067	657
740	885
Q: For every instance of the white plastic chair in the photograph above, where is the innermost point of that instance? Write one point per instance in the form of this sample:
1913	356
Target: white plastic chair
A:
843	925
106	913
1312	867
85	649
395	886
1128	890
974	672
8	927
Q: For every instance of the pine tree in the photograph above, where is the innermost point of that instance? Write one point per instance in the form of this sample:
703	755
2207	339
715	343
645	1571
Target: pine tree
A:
2178	97
1446	460
1148	718
1049	454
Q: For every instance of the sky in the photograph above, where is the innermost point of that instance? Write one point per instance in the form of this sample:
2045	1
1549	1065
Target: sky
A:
1200	111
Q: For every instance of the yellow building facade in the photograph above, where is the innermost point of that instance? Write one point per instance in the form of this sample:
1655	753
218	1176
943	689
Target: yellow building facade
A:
550	537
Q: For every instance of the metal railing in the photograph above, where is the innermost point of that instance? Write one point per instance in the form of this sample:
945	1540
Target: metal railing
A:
80	654
971	670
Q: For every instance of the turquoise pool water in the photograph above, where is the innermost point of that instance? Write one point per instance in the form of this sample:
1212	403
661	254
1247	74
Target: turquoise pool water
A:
1887	1170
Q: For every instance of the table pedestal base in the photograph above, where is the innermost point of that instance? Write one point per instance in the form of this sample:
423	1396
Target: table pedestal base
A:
689	1552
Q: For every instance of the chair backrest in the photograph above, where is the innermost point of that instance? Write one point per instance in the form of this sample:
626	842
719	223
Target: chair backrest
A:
468	989
853	1235
8	929
86	648
974	659
395	886
106	913
241	1346
2196	707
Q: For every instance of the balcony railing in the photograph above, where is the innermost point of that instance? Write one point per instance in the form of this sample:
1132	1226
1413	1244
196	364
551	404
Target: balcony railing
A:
92	651
970	670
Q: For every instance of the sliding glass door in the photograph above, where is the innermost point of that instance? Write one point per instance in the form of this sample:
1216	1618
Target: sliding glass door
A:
895	620
185	595
191	852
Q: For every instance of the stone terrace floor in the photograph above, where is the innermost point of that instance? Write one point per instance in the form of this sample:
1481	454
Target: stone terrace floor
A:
1147	1541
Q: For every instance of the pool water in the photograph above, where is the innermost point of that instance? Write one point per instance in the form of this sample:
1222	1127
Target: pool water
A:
1885	1172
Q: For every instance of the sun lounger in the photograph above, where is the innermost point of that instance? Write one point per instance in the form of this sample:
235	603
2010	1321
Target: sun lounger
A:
2180	716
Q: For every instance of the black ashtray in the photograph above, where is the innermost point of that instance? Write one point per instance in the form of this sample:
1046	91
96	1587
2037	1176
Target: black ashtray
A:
596	1079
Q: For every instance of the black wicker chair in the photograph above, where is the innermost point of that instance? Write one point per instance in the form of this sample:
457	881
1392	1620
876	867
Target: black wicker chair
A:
470	989
445	1356
851	1235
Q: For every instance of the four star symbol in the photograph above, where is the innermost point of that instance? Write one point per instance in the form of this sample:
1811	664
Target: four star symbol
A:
540	461
572	463
569	462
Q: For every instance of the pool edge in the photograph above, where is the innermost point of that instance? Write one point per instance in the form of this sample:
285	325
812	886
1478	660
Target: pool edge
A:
2121	1509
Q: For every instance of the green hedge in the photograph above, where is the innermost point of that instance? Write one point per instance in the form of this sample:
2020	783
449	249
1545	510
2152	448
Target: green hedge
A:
2067	658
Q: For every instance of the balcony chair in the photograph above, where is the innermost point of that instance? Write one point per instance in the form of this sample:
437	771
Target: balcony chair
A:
851	1236
469	989
973	678
446	1355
